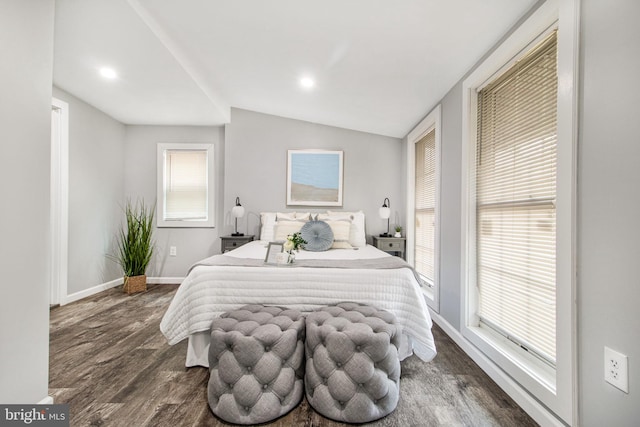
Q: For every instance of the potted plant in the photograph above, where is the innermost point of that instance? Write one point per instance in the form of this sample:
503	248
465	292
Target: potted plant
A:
135	246
398	231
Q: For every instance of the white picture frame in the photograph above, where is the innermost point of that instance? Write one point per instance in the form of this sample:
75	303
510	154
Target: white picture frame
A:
315	177
273	250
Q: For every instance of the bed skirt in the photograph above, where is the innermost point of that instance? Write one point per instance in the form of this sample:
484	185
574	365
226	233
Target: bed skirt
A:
198	349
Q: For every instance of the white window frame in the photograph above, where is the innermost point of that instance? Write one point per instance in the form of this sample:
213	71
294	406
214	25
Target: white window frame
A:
555	388
209	222
430	122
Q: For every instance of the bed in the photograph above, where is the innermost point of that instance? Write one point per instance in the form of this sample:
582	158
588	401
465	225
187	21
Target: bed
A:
359	273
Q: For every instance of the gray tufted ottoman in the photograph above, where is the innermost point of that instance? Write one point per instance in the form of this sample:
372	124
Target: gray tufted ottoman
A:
352	371
256	365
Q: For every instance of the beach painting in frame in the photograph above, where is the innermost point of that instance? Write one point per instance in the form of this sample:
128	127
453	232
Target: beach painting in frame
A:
314	178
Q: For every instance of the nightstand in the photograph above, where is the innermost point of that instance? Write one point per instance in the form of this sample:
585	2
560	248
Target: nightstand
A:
391	244
229	243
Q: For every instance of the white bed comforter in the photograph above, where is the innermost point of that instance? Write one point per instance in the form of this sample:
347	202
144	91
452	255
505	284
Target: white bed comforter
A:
209	291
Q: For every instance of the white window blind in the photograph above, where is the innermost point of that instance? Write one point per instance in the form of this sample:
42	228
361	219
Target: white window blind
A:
425	203
185	185
515	197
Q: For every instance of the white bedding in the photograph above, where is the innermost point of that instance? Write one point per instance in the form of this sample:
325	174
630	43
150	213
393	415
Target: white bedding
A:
209	291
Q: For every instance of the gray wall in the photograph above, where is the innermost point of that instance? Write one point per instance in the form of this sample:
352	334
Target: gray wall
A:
96	186
256	168
608	207
192	244
25	116
450	206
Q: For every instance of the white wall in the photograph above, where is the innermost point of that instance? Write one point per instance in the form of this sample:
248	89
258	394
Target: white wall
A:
256	168
608	208
96	187
26	31
192	244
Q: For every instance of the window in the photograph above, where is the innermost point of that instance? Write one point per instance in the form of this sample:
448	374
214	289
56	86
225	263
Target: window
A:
518	212
423	189
425	209
185	185
515	201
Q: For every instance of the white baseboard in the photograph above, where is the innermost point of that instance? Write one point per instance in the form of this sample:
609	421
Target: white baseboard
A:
112	284
46	401
541	414
91	291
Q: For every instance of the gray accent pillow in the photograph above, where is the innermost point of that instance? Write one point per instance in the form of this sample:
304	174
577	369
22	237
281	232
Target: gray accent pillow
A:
318	235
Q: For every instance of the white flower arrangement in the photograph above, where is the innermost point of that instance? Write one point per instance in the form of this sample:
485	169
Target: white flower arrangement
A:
294	242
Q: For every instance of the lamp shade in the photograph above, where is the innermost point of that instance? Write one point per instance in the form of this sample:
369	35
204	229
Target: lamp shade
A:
384	212
237	211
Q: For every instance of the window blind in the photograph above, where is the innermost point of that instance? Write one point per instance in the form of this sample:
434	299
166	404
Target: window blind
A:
425	203
515	201
185	185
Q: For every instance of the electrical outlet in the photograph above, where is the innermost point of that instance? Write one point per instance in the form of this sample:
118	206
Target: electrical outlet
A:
173	251
616	369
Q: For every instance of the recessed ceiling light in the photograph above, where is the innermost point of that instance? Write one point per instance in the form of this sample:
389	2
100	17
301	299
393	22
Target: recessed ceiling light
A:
108	73
307	82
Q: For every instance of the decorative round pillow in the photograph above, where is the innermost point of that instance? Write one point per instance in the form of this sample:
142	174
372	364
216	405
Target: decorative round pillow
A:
318	235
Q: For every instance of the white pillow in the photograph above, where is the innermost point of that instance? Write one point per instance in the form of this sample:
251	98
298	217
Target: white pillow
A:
267	226
306	216
287	216
357	235
268	222
341	231
286	228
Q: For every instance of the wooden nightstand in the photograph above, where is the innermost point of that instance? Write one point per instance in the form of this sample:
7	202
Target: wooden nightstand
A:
229	243
391	244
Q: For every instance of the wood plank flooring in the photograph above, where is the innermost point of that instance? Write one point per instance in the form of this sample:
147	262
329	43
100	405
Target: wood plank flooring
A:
111	364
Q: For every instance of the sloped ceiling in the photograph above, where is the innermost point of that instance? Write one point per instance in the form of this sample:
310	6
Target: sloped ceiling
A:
379	66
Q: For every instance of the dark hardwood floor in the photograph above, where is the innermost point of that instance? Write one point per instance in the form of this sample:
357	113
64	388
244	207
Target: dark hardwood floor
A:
111	364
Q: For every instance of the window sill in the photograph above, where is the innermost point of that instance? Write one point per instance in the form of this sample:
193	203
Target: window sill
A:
185	224
430	297
532	373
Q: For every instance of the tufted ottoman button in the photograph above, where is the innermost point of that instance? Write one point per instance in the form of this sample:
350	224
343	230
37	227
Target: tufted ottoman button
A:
332	331
235	356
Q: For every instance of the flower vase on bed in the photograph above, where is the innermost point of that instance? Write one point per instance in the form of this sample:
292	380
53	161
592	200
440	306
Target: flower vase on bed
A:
293	243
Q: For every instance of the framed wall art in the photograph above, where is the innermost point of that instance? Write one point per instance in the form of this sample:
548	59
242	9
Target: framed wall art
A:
314	178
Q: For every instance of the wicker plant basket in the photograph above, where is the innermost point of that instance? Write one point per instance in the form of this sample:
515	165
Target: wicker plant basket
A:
135	284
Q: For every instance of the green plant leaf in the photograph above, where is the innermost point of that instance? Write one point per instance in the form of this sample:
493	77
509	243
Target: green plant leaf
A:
135	240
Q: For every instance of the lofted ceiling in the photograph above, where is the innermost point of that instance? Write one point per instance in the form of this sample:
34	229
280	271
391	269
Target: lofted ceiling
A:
378	66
